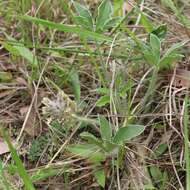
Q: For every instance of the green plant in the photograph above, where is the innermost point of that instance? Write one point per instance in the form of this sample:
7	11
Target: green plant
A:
37	147
103	21
98	149
19	165
186	140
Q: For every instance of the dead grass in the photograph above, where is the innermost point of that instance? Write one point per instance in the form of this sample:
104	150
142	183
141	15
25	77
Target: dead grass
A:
22	92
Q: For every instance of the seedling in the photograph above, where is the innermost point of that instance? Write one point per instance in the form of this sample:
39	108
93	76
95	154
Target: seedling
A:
108	145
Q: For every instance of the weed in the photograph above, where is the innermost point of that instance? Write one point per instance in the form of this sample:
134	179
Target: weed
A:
37	147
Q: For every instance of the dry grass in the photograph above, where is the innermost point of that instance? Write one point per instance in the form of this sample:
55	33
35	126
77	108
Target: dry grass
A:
60	56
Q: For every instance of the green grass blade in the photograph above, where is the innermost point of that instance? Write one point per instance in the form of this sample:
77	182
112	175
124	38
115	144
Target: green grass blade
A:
20	167
186	142
68	28
3	181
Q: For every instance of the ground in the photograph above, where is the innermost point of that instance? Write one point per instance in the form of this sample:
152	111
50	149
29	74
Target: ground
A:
94	94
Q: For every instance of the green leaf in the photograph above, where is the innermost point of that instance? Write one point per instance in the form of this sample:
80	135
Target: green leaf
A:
155	44
166	61
84	150
112	22
156	173
105	129
18	49
75	84
149	55
160	31
97	157
89	151
67	28
91	139
44	173
127	133
103	100
160	149
171	54
81	10
5	76
20	167
118	4
174	48
84	16
100	177
27	54
146	23
83	22
105	11
102	91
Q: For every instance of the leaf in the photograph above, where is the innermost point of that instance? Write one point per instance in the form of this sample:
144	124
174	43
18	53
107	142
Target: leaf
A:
155	44
146	23
102	91
156	173
127	133
84	15
160	31
67	28
91	139
81	10
103	100
97	157
84	150
27	54
160	149
166	61
105	129
83	22
5	76
100	177
149	55
112	22
20	167
44	173
171	54
89	151
75	84
19	49
118	5
105	11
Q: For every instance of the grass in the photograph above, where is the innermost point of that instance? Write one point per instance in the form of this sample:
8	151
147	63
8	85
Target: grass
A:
94	94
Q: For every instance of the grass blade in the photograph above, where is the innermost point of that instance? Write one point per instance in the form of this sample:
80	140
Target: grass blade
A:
20	167
67	28
186	143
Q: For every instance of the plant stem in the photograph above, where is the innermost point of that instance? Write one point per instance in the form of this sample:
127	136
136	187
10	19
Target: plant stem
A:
186	142
150	91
